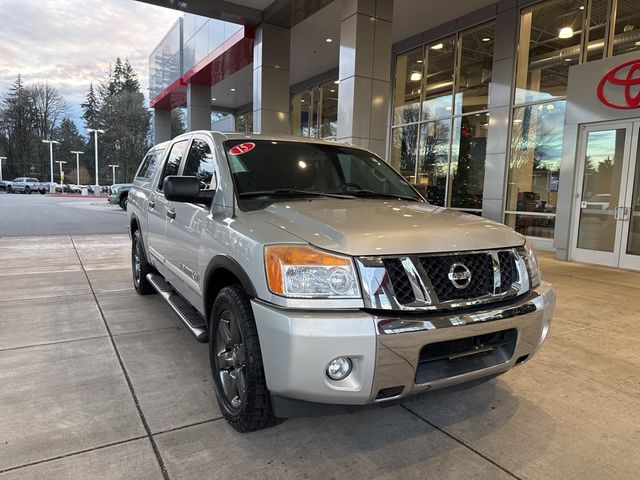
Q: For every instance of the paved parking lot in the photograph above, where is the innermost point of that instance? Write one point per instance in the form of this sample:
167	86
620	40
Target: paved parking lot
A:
43	215
97	382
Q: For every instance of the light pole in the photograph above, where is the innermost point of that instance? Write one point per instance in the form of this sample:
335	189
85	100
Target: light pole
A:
96	131
1	158
51	142
61	162
77	164
113	173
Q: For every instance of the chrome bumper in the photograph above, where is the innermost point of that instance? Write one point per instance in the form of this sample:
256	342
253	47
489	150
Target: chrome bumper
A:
297	346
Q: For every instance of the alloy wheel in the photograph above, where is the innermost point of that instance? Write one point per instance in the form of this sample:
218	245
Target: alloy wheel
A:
231	360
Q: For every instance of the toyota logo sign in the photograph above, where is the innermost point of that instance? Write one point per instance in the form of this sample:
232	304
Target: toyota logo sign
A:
620	87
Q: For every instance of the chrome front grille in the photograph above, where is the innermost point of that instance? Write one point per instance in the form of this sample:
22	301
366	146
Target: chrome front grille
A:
442	281
480	266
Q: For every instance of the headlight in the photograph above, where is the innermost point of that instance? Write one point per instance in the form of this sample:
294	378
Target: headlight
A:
535	276
304	271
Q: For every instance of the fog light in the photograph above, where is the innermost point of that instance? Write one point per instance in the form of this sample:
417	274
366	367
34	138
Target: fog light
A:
339	368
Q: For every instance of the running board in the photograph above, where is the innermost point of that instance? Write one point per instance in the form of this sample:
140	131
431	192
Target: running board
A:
189	315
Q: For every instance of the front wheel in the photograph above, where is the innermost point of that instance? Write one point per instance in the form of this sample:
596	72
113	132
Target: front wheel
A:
140	266
236	363
123	203
27	191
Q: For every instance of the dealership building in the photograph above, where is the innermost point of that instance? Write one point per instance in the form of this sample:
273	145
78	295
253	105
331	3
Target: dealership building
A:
524	112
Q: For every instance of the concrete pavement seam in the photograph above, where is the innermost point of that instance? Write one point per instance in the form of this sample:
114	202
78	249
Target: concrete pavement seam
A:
182	427
71	454
457	440
145	424
51	343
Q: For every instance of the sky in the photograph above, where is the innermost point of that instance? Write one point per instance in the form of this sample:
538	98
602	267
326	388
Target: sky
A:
70	43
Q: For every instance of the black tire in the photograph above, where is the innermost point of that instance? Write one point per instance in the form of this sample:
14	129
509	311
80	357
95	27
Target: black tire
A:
140	267
123	202
42	191
9	189
27	191
238	351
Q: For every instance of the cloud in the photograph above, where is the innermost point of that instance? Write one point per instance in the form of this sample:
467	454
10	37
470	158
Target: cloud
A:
70	43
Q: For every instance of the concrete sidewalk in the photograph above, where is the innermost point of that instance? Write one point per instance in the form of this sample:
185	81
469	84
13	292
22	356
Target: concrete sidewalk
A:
97	382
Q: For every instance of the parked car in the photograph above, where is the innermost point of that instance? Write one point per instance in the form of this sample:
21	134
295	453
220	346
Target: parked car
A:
120	194
25	185
322	280
68	188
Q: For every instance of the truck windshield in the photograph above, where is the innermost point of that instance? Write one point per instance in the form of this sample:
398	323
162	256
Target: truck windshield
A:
287	169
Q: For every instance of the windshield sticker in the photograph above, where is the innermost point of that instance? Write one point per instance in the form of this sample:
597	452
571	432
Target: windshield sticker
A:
242	148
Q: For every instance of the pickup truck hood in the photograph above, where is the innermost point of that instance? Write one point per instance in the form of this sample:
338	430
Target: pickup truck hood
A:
385	227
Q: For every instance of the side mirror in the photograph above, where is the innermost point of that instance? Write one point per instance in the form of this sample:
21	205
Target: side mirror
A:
186	189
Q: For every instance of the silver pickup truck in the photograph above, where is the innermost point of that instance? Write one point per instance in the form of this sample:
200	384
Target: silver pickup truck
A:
322	280
25	185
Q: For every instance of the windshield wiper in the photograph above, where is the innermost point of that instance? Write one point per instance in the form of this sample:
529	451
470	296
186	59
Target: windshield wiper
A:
372	194
287	192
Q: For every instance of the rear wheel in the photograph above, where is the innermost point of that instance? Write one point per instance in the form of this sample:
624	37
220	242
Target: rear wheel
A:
27	190
9	189
236	363
140	266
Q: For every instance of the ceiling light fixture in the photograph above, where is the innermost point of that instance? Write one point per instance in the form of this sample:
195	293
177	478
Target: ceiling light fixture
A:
437	46
213	99
581	7
418	61
328	40
565	32
415	76
486	39
336	82
232	89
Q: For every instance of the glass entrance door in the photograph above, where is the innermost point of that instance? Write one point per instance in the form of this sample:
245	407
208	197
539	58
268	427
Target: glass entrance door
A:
605	230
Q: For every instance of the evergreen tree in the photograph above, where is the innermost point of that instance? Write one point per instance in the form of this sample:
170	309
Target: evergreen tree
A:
126	121
130	81
91	109
18	122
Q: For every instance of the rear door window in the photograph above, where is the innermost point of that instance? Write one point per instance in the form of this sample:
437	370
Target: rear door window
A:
172	165
200	163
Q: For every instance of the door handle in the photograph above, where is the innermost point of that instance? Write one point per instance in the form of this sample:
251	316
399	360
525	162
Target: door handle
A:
152	204
615	213
171	213
626	213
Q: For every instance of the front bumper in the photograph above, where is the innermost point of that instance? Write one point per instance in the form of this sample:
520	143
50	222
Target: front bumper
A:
385	350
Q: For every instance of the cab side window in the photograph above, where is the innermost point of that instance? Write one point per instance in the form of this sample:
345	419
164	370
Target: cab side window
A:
200	163
149	165
172	165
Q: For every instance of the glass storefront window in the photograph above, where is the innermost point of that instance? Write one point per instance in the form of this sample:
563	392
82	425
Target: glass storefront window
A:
314	112
404	142
476	65
329	110
536	149
549	44
406	94
437	98
627	27
244	122
433	164
438	143
468	151
302	113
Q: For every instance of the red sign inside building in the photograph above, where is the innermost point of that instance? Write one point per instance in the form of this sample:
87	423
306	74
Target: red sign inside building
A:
620	87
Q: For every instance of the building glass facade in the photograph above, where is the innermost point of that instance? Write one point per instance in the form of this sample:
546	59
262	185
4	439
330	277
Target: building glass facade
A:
314	111
440	117
552	37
